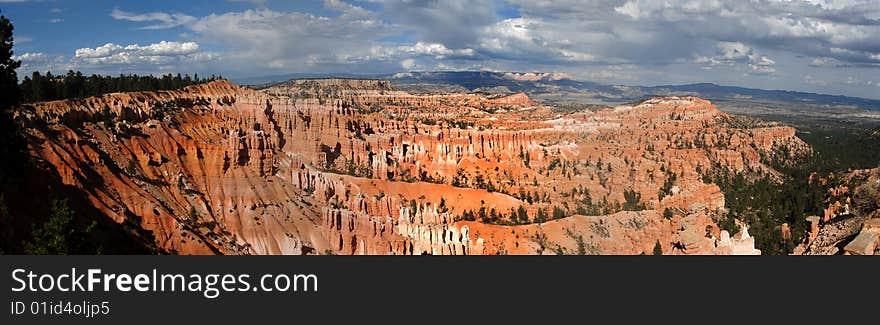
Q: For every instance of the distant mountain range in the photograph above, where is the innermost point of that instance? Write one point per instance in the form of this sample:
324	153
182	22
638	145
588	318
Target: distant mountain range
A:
555	87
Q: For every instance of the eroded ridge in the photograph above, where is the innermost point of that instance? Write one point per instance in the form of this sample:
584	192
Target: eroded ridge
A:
348	166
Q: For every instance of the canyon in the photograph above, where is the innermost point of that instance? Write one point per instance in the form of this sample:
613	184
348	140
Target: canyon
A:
345	166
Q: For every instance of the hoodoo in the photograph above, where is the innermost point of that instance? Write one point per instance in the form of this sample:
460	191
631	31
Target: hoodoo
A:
350	166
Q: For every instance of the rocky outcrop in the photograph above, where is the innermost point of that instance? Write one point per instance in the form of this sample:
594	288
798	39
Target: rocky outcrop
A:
867	242
355	167
843	229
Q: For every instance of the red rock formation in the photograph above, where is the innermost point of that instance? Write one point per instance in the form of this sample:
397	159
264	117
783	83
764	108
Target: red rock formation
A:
355	167
518	99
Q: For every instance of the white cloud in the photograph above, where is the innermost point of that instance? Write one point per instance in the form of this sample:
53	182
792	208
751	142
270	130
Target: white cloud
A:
163	52
565	32
762	65
538	41
577	56
672	29
821	62
732	53
408	64
347	10
656	41
33	61
734	50
631	9
266	39
435	50
30	57
163	20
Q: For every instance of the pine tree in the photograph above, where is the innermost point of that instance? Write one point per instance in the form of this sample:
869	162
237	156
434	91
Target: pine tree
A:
11	143
658	249
8	77
53	237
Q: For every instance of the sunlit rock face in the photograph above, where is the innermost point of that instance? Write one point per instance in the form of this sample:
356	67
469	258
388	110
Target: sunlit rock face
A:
340	166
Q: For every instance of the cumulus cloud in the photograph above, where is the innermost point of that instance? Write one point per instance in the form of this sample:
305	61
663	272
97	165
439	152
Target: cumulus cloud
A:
574	32
662	32
163	52
289	39
731	53
436	50
558	32
33	61
821	62
537	41
637	41
297	41
805	27
30	57
408	64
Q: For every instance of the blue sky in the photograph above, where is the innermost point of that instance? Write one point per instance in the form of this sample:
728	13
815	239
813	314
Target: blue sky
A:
827	46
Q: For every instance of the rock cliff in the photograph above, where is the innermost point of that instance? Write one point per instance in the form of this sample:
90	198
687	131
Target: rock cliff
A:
348	166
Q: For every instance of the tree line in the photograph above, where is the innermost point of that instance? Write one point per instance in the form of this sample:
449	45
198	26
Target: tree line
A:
765	204
45	87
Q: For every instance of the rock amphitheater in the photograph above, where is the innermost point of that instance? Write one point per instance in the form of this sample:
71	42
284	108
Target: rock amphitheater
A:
339	166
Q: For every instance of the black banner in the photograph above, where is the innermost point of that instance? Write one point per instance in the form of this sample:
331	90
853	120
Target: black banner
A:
372	289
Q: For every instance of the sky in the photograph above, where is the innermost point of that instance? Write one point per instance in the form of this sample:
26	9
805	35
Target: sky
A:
824	46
